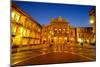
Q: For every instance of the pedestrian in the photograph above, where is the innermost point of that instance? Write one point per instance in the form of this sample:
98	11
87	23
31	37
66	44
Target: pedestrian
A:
82	44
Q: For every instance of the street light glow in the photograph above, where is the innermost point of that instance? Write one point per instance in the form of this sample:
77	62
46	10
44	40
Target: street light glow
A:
91	21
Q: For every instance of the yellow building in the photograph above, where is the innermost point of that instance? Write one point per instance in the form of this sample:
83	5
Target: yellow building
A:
24	30
84	34
73	36
92	15
56	33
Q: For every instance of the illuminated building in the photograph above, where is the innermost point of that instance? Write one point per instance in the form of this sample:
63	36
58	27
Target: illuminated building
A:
24	30
84	34
73	36
56	33
92	15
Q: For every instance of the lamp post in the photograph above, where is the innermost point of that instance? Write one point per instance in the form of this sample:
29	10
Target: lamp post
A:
91	21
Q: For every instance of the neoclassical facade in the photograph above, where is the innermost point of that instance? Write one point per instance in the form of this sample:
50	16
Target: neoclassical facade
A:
58	34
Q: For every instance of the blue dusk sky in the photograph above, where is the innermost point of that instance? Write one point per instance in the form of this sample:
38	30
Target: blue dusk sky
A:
77	15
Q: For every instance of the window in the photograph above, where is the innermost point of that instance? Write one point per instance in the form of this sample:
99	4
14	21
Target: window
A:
64	29
27	23
25	41
17	40
33	25
22	20
20	31
31	41
39	30
13	15
24	32
17	16
27	33
14	28
55	29
38	42
59	29
33	34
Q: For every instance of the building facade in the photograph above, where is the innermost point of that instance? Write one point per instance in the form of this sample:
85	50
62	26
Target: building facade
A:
56	33
25	31
92	15
59	34
73	36
84	34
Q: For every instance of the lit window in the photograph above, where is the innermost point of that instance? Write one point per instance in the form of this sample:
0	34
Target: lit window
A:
39	30
33	25
60	29
71	38
24	32
33	34
55	29
27	23
60	38
17	17
31	41
44	39
13	14
21	31
51	32
64	29
17	40
55	37
22	19
79	40
14	28
28	32
65	38
25	41
38	42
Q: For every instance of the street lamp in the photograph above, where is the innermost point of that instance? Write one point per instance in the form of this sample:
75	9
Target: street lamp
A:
91	21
